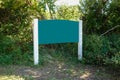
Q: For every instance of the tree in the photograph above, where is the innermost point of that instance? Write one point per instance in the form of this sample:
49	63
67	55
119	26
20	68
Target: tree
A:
95	15
16	18
113	15
48	4
68	13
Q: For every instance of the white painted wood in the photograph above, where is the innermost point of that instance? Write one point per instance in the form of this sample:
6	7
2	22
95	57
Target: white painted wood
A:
80	41
35	42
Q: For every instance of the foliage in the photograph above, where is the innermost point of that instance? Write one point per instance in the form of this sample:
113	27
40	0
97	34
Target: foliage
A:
15	28
113	15
50	7
93	49
12	52
100	15
68	13
98	50
114	56
15	19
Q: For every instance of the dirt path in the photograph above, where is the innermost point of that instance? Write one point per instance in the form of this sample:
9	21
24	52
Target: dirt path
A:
55	71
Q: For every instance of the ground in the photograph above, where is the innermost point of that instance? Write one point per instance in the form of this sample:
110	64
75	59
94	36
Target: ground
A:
55	66
55	71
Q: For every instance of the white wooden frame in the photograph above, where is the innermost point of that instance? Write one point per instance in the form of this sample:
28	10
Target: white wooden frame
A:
36	44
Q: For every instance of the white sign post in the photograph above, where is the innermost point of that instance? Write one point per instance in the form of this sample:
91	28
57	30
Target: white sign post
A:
35	42
80	41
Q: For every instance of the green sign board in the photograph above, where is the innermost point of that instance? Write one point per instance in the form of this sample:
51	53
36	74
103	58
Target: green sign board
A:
57	31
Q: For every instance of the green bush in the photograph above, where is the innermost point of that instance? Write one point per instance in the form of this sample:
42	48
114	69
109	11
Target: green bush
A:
11	52
101	50
94	53
113	58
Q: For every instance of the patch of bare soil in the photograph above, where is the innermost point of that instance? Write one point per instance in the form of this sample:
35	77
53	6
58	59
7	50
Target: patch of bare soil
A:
58	71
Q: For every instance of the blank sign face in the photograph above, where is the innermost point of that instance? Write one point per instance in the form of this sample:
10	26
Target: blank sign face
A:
57	31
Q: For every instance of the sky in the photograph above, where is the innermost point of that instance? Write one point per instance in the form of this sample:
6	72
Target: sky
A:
67	2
